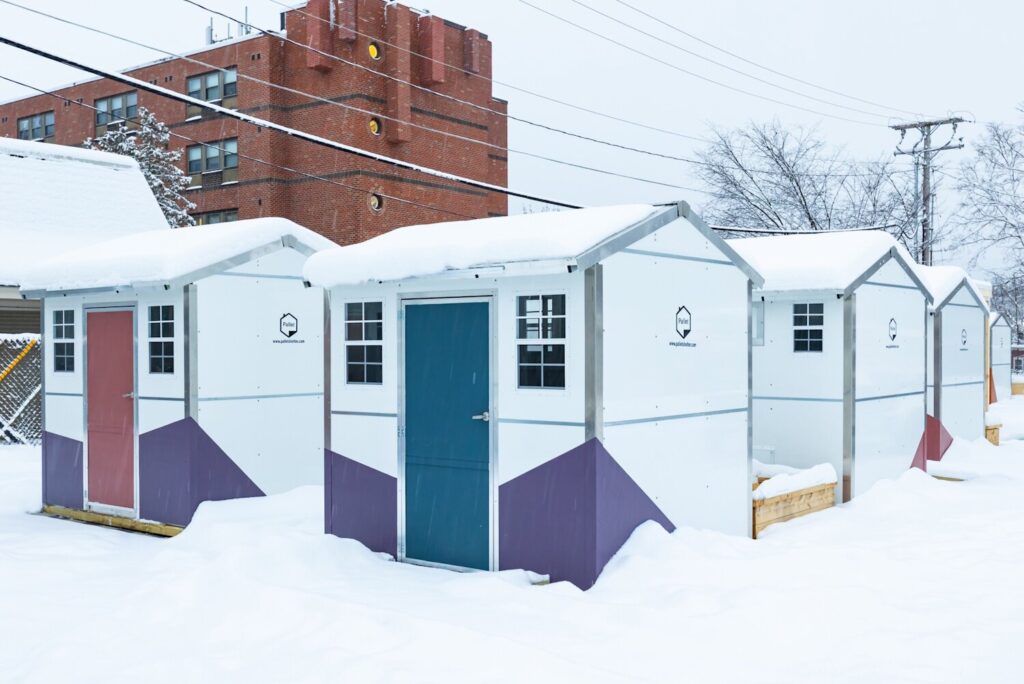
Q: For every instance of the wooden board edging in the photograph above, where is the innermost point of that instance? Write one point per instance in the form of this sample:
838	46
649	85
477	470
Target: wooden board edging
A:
93	518
792	505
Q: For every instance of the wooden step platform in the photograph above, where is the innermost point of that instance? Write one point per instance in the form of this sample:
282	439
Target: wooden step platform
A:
94	518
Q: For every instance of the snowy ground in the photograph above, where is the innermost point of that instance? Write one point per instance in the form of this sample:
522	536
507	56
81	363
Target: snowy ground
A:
919	580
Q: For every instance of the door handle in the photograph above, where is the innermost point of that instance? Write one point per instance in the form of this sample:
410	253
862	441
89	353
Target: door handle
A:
485	416
130	395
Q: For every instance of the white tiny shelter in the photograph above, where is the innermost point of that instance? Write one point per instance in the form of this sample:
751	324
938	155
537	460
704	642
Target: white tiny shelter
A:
956	350
180	366
1000	341
838	354
55	198
521	392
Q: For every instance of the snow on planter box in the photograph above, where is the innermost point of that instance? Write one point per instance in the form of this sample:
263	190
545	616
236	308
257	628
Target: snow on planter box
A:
181	366
1000	339
957	334
838	354
522	392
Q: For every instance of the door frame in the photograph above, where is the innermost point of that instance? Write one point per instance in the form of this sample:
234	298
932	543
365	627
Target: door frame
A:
489	297
107	509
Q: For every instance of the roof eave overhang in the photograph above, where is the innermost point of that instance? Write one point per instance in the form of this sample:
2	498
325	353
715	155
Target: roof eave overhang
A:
892	255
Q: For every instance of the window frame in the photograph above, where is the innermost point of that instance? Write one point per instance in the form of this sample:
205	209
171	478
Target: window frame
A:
162	341
226	79
46	127
363	342
64	349
104	117
803	322
226	216
227	153
541	340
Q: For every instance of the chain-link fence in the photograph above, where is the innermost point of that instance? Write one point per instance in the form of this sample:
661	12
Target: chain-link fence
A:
21	407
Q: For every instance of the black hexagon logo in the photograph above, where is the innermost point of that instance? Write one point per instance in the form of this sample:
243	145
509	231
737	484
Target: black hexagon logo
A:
289	325
892	329
684	322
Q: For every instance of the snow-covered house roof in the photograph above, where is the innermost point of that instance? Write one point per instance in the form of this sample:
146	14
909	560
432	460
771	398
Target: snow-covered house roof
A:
55	198
168	257
830	261
945	281
556	242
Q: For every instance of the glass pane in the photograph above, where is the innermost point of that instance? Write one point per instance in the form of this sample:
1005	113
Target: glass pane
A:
154	313
814	334
529	376
800	334
800	320
354	312
168	329
554	353
529	328
817	308
353	331
356	372
374	330
529	305
154	329
374	354
530	353
69	316
554	305
554	376
554	328
815	346
58	317
799	346
155	364
374	311
356	354
375	373
816	320
195	87
169	364
212	158
168	312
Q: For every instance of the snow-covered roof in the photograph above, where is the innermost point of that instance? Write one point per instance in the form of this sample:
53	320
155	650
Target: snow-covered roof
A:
155	258
55	198
574	238
817	261
943	281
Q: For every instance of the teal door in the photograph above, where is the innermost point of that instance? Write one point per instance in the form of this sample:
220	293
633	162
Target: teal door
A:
447	435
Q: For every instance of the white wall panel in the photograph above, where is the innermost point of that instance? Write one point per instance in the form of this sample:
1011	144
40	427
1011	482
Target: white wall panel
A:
961	404
888	432
1000	340
523	447
65	417
370	440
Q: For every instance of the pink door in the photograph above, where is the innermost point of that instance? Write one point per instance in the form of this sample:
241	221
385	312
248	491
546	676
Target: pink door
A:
110	384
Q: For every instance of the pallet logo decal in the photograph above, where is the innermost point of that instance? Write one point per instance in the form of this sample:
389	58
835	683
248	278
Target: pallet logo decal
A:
892	329
289	327
684	326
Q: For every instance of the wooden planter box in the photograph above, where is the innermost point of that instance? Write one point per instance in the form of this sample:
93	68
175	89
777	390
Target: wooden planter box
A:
792	505
992	433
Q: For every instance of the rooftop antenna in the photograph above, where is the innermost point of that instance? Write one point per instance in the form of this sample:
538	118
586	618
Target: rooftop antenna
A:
209	33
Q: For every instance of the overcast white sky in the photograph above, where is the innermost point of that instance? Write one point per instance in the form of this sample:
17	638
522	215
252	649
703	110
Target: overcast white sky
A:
930	56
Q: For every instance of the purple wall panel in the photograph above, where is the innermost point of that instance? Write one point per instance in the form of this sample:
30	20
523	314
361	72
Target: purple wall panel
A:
180	466
360	503
62	471
566	518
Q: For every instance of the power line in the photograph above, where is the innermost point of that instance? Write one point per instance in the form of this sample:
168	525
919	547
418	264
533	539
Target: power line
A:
723	65
484	143
248	157
761	66
680	69
295	133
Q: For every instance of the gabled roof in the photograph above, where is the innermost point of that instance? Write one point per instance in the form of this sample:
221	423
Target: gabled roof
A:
944	282
836	261
541	242
55	197
998	319
168	257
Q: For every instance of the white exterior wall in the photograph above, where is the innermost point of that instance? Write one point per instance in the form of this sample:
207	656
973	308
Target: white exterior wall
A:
533	425
260	393
676	410
160	397
798	396
1000	358
962	401
890	376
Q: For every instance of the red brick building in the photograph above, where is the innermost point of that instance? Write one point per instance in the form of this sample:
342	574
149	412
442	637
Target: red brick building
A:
407	116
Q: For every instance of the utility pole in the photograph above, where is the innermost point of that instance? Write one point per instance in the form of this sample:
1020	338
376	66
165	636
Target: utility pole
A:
924	153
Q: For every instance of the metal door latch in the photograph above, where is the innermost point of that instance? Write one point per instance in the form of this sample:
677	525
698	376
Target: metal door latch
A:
485	416
130	395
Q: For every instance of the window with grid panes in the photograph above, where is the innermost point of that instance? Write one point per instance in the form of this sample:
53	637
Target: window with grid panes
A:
64	341
211	217
364	343
221	155
808	327
161	339
37	127
219	86
540	341
117	110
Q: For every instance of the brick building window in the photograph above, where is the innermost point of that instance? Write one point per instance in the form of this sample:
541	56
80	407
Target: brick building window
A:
220	87
209	218
37	127
214	163
116	111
